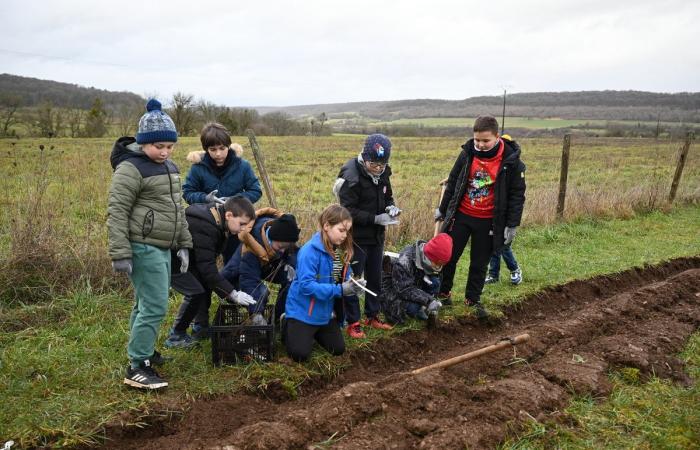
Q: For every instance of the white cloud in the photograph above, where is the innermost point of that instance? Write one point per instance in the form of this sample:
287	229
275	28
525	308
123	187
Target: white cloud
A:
282	53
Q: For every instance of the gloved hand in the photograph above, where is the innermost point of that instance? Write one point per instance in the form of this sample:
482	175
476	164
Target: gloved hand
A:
184	255
509	235
122	265
434	306
438	215
384	219
350	288
240	298
212	198
393	210
291	272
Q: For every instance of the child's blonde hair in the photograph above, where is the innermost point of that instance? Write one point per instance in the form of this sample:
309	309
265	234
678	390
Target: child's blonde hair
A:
333	215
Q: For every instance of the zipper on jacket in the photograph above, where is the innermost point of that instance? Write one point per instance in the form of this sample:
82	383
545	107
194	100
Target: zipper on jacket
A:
172	197
311	306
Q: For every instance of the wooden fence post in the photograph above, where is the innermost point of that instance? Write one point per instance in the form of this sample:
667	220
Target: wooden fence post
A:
564	175
260	161
679	167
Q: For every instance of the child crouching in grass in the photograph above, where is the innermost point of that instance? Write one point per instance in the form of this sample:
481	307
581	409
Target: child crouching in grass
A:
322	277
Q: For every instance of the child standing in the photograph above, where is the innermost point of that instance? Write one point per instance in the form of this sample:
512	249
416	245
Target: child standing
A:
218	172
322	277
516	274
364	188
483	200
211	226
145	220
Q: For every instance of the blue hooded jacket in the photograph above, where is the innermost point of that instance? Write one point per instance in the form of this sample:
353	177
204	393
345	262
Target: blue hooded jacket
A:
236	177
313	291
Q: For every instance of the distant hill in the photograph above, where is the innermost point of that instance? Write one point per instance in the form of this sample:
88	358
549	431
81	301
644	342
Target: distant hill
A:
606	105
34	92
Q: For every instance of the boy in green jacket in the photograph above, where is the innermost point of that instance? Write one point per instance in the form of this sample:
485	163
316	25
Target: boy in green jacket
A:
145	220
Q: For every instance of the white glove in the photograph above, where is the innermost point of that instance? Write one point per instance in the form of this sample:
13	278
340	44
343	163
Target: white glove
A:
384	220
350	288
438	215
184	255
434	306
509	235
291	273
241	298
212	198
393	210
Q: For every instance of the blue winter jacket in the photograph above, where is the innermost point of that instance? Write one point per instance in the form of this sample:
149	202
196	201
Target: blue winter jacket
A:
236	178
313	291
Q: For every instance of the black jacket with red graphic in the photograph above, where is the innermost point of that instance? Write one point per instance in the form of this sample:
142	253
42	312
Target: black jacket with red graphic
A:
509	189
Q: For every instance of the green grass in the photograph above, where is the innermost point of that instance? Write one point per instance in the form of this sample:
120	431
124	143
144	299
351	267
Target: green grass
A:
61	359
653	415
63	376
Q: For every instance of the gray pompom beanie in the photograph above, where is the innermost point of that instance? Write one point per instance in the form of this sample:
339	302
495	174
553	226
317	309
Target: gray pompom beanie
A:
155	125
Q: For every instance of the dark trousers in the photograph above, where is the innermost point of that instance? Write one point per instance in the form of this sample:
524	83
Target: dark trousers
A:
191	307
201	318
368	262
300	337
508	257
480	231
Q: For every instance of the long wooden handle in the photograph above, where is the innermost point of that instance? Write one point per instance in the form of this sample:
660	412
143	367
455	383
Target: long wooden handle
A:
476	353
438	224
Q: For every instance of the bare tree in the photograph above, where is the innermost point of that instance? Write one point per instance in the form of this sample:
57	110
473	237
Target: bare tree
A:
9	103
182	113
75	121
127	118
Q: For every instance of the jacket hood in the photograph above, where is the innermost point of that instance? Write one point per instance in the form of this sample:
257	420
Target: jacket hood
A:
125	148
203	211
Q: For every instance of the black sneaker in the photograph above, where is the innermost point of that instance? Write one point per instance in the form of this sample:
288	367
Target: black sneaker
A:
479	310
144	377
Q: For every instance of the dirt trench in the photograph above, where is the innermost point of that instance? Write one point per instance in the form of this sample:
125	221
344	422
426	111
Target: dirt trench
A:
580	331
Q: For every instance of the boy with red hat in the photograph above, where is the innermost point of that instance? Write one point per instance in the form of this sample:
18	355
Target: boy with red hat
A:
410	282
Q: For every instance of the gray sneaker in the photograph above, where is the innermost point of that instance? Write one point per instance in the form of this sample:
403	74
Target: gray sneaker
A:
180	340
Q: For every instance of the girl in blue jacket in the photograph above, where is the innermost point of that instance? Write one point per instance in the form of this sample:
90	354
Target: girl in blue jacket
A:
322	277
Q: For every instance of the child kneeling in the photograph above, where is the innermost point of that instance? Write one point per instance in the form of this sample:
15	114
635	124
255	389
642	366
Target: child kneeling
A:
322	277
410	282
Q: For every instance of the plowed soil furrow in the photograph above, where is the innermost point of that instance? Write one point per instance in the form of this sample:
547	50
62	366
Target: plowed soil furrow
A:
639	318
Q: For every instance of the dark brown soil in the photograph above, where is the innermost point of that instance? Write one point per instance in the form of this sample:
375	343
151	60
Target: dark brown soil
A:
580	331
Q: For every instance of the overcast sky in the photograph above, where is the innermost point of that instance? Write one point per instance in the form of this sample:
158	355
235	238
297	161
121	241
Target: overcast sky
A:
263	52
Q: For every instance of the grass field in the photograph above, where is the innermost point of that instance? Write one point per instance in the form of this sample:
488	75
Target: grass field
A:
63	326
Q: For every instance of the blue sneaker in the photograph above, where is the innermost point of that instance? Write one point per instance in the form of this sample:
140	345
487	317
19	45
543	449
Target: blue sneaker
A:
516	276
490	279
180	340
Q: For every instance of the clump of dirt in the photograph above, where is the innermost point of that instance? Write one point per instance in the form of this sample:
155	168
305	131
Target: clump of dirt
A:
579	332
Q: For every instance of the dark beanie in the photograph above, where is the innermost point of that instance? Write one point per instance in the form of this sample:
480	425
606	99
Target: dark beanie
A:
155	125
377	148
284	229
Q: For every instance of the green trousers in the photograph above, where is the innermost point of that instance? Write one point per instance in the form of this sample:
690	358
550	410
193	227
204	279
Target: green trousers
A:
151	279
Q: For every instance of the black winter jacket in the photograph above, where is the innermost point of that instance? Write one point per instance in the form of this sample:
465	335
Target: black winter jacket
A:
209	240
365	200
509	190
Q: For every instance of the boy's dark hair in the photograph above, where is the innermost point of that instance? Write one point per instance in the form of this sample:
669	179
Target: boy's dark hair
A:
240	206
486	123
214	134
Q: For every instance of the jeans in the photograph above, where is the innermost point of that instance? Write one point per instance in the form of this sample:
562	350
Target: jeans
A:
495	263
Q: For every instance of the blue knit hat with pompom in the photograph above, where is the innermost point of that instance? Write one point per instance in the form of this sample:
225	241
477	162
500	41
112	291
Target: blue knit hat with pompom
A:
155	125
377	148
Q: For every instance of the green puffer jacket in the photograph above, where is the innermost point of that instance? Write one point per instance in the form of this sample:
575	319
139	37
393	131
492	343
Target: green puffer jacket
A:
145	202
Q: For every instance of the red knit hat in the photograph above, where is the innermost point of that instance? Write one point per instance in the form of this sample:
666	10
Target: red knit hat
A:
439	249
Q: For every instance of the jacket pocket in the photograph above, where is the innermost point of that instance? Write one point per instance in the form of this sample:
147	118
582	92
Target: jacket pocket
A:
148	220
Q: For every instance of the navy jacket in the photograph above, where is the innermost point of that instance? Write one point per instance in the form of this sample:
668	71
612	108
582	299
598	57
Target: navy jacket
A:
313	291
236	177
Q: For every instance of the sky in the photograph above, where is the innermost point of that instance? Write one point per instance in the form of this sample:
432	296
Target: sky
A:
280	53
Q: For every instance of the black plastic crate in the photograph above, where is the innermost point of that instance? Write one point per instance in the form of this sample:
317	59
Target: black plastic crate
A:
233	340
